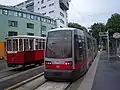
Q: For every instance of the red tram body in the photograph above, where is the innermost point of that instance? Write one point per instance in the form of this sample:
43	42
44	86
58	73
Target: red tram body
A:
69	53
25	50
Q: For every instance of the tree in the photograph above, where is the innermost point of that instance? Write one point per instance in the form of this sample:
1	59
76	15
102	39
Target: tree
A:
113	24
96	28
76	25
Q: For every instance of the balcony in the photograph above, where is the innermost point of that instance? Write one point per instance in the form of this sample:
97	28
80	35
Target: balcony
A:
64	4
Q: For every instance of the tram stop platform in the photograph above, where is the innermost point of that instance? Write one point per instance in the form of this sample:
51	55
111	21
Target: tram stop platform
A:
104	74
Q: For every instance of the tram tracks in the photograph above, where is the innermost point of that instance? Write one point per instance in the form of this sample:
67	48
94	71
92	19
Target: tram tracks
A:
11	80
39	83
12	71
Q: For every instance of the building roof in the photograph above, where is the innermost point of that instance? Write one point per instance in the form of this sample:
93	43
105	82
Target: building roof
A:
25	36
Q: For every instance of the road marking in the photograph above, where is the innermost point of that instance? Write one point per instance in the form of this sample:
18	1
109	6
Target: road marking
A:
9	77
87	82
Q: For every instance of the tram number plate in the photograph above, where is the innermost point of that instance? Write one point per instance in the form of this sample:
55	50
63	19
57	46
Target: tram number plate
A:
57	66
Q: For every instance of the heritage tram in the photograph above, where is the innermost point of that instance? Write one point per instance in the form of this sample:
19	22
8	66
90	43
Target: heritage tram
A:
24	50
69	53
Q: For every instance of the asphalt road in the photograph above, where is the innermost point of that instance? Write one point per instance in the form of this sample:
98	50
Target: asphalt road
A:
108	73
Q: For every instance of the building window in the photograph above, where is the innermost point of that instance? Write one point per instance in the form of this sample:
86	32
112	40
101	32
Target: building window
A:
61	27
30	25
24	15
38	2
12	23
11	12
51	4
42	19
61	14
48	0
20	14
49	21
0	11
62	21
38	8
43	30
12	33
32	16
16	14
42	1
28	16
30	34
51	11
38	18
5	12
43	7
44	13
52	28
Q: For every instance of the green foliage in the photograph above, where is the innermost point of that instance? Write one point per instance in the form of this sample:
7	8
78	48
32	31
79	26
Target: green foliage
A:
113	24
96	28
76	25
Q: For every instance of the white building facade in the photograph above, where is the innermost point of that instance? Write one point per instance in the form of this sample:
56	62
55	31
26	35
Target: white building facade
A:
56	9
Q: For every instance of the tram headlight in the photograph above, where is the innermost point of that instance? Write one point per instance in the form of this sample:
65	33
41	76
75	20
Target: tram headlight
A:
48	63
69	63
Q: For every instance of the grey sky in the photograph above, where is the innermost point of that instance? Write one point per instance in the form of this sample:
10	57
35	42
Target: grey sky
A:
85	12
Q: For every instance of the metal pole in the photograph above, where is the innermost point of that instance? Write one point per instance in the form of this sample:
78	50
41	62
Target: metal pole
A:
100	38
108	44
116	44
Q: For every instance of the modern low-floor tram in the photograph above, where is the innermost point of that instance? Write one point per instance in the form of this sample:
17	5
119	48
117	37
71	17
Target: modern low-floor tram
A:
69	53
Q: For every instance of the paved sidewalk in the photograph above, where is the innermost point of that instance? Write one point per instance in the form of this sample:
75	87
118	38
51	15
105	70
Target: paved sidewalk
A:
108	73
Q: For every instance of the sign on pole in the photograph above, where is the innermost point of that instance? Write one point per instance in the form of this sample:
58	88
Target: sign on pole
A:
116	35
103	34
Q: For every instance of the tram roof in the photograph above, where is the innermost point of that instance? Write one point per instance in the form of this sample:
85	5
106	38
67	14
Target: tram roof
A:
25	36
64	29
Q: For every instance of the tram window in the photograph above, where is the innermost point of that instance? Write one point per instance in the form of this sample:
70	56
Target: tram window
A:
43	44
15	44
40	44
31	44
9	45
76	48
89	43
36	44
20	45
26	47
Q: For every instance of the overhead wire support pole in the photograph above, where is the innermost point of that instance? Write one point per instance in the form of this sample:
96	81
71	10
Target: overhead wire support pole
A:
108	44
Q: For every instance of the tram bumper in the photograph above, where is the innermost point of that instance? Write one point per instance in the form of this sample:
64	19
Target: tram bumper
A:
59	74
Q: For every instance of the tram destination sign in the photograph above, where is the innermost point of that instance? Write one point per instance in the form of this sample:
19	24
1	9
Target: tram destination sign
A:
103	34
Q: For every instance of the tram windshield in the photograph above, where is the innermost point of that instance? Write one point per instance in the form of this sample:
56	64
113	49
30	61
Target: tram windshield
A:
59	44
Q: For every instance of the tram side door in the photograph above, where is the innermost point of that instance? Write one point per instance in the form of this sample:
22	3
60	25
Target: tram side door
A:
78	53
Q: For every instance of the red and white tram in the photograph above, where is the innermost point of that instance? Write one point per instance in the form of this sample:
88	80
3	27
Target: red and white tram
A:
25	50
69	53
